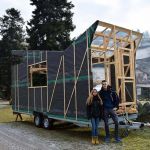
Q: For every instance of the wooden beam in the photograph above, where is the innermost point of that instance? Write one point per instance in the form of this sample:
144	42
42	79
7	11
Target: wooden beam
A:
111	37
37	69
101	48
122	29
127	103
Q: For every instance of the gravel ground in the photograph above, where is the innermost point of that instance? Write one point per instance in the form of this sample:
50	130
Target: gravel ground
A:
23	135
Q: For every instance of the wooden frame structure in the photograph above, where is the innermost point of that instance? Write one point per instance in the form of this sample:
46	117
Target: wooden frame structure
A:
115	48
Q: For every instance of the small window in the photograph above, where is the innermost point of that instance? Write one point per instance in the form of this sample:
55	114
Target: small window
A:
37	74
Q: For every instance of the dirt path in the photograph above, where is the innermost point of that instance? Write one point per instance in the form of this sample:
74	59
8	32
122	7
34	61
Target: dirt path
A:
25	136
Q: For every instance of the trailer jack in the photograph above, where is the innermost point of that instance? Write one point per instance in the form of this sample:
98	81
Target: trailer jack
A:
17	114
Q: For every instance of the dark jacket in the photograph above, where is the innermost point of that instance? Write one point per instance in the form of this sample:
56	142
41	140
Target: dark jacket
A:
94	109
113	96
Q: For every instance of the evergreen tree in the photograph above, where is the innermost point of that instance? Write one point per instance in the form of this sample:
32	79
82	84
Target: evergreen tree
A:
50	27
11	31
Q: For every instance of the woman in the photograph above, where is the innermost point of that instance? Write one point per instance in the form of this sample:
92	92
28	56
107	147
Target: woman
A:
94	112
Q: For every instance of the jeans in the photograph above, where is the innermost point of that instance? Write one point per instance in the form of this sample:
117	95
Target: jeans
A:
95	123
112	114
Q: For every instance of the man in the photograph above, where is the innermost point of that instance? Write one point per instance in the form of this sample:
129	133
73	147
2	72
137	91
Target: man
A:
110	102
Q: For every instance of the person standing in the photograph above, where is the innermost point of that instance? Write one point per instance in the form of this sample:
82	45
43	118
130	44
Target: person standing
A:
94	113
110	101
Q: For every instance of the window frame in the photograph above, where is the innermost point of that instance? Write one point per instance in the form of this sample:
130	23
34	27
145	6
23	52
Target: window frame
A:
32	68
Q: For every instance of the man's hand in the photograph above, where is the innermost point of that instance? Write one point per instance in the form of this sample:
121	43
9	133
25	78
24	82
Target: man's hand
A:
116	108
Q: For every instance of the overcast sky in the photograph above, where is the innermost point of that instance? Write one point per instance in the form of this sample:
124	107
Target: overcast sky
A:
133	14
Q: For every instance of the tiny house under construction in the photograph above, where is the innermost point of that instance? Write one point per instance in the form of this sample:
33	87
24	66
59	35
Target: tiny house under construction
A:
55	84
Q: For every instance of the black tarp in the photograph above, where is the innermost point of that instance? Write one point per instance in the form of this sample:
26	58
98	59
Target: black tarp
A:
51	99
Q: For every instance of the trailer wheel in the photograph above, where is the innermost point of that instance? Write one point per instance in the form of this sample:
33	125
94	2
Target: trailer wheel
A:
47	123
37	120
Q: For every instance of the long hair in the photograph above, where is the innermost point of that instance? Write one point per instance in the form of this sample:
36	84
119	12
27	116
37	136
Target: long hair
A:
90	98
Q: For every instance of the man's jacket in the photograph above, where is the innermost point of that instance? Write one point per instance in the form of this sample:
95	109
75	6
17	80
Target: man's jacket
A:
113	95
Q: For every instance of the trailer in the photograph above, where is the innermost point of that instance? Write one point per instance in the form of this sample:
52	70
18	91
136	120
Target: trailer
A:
54	85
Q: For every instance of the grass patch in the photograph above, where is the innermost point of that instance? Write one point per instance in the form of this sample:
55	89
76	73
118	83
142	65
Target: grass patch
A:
138	139
6	115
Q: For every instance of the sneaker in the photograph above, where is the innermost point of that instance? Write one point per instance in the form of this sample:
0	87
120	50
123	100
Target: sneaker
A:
118	140
107	139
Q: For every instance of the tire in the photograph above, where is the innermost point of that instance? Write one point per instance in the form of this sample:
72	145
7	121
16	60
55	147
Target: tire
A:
47	123
38	120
